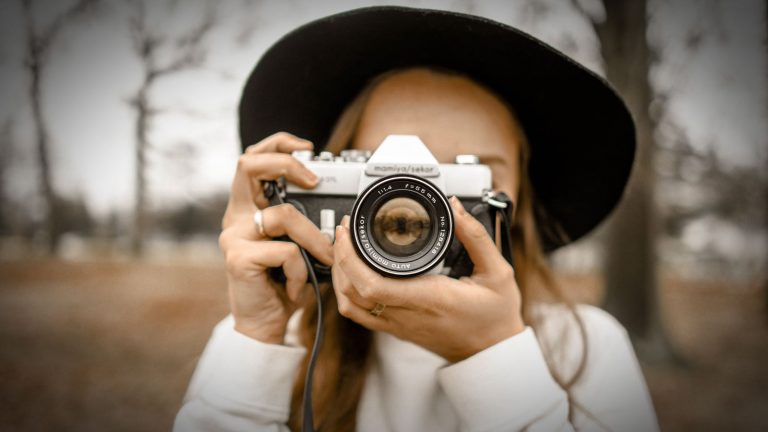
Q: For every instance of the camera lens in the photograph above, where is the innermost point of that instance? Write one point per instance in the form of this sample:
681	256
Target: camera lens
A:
402	225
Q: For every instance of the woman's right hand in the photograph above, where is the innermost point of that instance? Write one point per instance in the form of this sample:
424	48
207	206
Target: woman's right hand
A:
260	305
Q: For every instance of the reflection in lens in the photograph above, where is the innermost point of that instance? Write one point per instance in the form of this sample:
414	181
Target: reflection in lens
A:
401	226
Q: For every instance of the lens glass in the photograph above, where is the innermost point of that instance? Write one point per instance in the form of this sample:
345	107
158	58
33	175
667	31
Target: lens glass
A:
401	226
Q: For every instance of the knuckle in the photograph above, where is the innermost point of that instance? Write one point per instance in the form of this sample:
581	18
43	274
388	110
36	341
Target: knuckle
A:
281	135
364	290
224	240
260	146
372	281
234	261
507	273
345	308
243	161
368	289
345	289
228	237
227	220
293	251
283	166
286	211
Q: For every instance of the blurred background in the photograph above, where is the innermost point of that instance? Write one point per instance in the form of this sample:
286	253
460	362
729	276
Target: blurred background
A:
118	142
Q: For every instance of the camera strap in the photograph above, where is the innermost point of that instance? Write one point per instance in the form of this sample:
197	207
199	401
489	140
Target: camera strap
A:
501	208
494	212
272	192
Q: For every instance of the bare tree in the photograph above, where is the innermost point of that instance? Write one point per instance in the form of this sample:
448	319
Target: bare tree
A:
630	264
765	184
40	39
187	52
6	149
727	192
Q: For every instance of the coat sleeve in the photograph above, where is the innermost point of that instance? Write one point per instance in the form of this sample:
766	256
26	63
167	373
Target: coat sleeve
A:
240	384
509	387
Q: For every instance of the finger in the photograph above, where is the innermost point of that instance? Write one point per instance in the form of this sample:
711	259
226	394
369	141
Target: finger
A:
371	285
271	166
285	219
242	198
475	239
240	226
281	142
232	235
343	288
357	273
295	289
361	315
246	259
253	168
245	193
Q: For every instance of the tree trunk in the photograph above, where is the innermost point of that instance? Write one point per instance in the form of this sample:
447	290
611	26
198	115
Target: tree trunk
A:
140	211
630	264
51	230
765	185
39	42
188	53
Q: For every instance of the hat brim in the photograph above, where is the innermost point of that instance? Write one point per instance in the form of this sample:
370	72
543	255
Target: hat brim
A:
581	134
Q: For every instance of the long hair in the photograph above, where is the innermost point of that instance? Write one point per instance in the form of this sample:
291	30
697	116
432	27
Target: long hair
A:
346	354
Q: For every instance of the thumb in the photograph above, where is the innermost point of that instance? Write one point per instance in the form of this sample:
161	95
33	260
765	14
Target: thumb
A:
472	234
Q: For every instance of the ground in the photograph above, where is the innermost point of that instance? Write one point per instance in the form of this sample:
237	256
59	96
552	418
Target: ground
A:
111	346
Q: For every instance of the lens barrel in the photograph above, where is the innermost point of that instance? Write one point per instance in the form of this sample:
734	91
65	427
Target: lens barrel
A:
401	225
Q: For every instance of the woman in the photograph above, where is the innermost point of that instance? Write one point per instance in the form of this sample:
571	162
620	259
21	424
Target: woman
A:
502	349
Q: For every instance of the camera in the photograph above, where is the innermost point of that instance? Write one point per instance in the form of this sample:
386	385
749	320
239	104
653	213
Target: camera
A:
401	222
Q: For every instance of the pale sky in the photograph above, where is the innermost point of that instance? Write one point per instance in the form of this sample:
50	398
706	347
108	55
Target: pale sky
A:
718	94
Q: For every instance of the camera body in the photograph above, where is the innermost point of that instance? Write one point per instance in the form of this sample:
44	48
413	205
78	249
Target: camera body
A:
400	219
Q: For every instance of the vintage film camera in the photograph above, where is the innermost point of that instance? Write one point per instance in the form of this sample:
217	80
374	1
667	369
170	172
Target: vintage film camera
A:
400	219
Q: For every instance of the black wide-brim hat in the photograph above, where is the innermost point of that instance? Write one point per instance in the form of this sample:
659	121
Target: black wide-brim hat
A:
581	134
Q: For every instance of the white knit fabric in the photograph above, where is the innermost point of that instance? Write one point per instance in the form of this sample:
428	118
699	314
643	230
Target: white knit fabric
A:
244	385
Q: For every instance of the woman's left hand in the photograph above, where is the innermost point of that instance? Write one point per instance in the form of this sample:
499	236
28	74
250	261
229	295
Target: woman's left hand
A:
454	318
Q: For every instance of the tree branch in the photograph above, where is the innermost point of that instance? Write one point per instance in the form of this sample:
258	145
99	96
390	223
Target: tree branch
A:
190	52
50	33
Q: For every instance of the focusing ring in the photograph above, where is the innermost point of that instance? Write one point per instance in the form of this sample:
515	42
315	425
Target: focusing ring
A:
396	186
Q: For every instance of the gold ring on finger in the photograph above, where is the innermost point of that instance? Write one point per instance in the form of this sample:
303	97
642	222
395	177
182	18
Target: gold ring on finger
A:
258	222
378	309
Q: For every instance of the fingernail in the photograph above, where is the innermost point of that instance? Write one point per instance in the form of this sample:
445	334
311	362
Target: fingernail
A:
457	205
311	177
345	221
